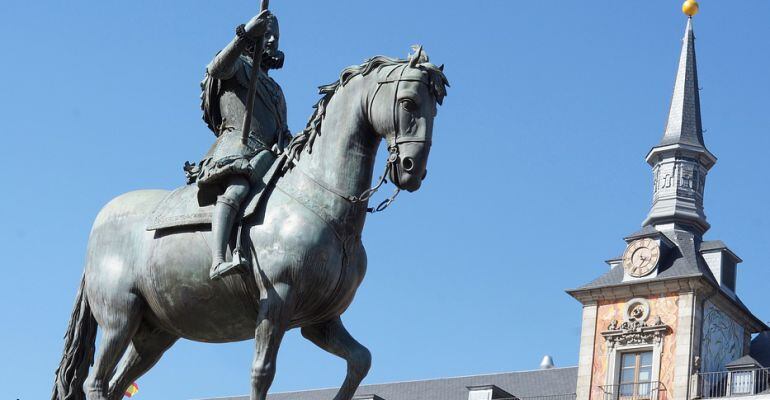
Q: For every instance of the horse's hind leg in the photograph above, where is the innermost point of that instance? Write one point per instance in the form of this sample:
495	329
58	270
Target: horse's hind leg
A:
118	324
146	348
334	338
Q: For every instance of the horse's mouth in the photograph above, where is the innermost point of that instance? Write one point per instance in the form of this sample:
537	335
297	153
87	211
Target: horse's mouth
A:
405	180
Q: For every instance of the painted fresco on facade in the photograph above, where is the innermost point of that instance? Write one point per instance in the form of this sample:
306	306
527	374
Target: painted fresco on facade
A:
668	310
664	306
722	339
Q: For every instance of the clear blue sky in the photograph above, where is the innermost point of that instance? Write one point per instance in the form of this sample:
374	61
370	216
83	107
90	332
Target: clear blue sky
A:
536	172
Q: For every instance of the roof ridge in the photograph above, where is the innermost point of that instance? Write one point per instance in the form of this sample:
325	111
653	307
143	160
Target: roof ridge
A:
408	381
422	380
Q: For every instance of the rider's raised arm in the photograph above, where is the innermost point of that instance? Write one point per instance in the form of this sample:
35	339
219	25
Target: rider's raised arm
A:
223	66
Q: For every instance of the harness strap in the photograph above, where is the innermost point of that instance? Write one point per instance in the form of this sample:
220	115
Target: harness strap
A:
390	163
364	196
328	188
413	140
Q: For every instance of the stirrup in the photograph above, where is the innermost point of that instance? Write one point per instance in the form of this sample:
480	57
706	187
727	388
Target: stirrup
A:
238	264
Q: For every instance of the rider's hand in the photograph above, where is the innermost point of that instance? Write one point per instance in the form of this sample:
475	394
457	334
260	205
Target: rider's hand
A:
257	26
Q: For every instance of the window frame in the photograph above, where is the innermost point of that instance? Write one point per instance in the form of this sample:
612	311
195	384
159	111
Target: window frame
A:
637	368
614	366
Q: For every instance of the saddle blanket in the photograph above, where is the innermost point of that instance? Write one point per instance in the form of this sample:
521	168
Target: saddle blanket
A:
180	207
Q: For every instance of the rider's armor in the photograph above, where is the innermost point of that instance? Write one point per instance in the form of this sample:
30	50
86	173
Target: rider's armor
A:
224	106
225	174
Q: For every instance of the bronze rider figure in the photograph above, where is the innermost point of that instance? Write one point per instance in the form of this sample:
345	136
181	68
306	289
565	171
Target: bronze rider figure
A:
231	167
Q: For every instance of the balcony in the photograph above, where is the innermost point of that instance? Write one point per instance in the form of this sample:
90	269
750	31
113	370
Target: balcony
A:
634	391
713	385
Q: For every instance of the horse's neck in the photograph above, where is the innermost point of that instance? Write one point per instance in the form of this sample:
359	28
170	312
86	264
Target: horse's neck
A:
344	152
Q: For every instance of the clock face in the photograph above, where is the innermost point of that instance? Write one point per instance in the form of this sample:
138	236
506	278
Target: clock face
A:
641	257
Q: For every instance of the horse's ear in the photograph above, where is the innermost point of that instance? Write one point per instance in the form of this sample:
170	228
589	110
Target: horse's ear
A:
441	67
415	59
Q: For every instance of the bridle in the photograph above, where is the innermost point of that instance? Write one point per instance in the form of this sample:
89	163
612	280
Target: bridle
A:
393	152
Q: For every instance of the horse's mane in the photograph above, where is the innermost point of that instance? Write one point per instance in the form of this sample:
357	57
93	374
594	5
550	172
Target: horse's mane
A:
304	140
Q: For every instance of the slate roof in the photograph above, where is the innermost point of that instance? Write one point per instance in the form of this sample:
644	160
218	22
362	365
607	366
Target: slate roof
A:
719	245
684	119
743	362
712	245
684	262
646	230
760	348
556	382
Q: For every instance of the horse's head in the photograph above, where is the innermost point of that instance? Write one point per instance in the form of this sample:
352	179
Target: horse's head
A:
398	100
401	109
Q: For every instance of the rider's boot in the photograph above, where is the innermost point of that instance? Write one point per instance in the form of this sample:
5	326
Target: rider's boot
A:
225	213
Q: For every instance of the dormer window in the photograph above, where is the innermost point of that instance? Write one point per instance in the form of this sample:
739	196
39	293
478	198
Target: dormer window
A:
722	262
488	392
367	397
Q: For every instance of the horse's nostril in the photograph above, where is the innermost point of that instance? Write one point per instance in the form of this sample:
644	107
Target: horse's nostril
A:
408	164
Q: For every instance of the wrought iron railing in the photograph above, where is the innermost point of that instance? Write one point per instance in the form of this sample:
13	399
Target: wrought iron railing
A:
711	385
634	391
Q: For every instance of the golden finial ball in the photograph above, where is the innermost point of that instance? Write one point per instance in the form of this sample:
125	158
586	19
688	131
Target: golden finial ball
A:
690	7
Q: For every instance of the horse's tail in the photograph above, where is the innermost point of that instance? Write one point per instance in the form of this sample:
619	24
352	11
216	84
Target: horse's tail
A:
78	354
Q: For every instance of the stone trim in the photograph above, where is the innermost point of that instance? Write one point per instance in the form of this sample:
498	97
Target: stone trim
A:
697	284
586	355
641	288
635	333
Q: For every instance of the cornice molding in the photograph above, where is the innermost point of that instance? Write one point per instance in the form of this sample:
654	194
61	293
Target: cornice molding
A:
698	285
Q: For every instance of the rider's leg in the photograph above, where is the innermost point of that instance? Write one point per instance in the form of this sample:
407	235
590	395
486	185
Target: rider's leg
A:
225	213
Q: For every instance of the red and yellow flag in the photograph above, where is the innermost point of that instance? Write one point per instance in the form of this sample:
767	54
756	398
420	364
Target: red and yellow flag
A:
132	390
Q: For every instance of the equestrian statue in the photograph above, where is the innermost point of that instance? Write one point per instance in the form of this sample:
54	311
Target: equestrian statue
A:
266	235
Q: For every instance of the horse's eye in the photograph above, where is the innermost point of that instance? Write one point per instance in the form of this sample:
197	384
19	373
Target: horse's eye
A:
409	105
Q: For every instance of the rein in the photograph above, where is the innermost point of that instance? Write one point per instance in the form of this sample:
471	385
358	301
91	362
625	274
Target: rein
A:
393	152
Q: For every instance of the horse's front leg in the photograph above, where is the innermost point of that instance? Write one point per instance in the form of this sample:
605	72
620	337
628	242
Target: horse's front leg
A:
334	338
271	325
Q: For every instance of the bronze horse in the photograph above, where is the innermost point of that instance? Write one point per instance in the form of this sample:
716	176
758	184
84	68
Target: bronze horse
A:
147	289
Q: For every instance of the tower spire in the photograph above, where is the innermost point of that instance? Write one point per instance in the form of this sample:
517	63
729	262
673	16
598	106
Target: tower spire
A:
684	120
681	160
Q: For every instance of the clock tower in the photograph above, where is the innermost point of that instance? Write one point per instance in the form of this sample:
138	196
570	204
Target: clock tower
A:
667	311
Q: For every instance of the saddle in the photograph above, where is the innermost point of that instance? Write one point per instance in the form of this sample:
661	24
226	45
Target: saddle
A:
180	208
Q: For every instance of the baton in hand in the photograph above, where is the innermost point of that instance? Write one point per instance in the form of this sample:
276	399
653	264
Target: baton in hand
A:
256	60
